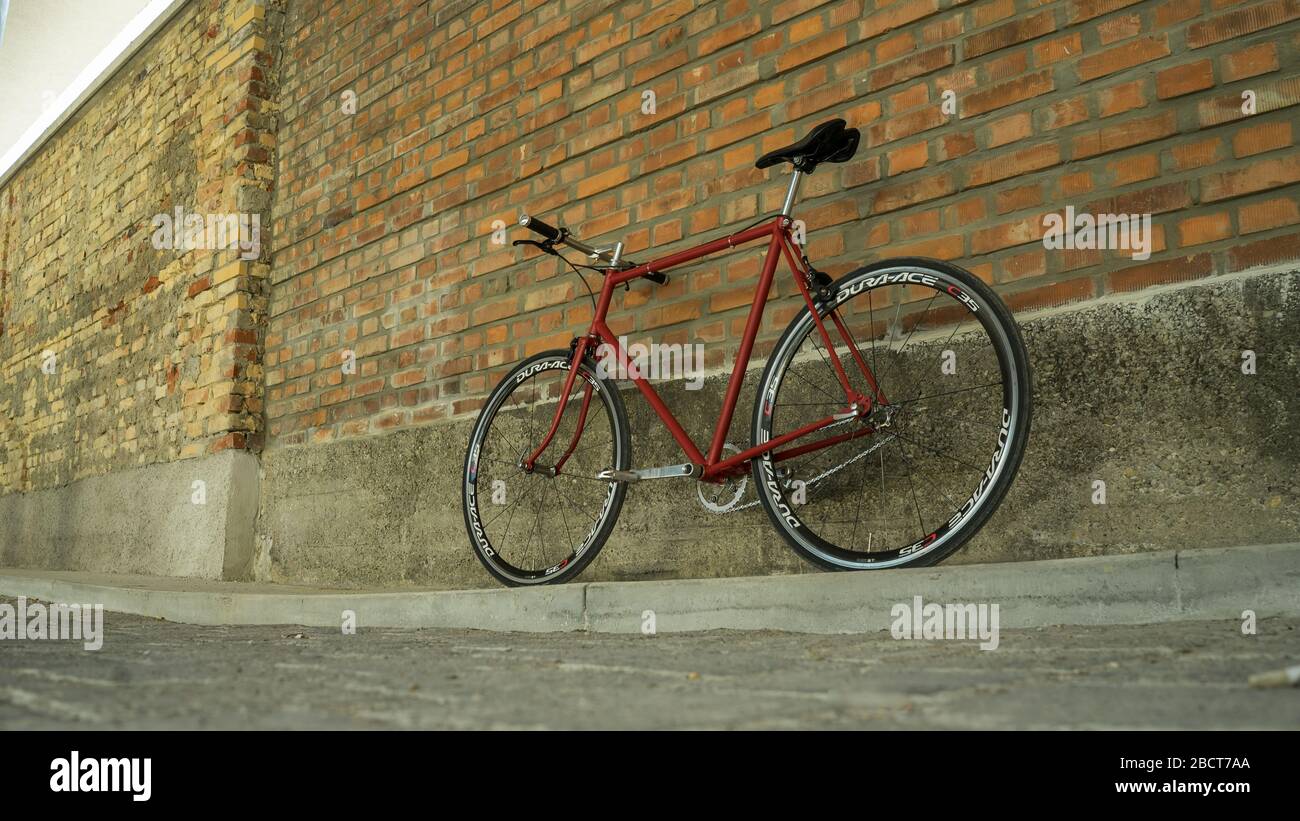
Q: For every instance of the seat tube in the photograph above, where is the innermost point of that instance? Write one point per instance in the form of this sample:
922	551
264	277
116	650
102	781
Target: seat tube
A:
746	347
790	192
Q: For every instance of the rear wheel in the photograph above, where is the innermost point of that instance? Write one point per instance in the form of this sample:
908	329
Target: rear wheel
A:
930	464
547	525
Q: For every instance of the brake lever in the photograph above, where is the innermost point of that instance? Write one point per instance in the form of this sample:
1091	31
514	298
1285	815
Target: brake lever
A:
546	246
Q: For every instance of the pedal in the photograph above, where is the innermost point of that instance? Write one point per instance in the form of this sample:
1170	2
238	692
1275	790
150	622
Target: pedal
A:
686	470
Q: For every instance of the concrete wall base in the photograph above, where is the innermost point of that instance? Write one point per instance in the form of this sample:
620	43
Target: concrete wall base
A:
154	520
1143	392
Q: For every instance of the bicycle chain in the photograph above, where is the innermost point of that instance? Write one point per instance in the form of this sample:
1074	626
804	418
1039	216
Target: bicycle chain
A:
813	481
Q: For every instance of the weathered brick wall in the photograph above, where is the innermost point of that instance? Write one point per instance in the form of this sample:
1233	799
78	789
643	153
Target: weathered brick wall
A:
467	113
115	353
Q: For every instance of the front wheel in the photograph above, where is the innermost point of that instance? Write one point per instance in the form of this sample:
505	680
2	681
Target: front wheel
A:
911	477
544	525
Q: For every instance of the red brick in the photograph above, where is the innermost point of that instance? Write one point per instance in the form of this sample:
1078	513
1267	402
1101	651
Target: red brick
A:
1056	49
1123	57
1243	21
893	197
1264	252
898	14
1252	61
1259	176
1173	12
1049	296
198	286
1010	129
1125	135
1134	169
1013	164
1005	94
907	158
1204	228
828	43
1197	155
915	65
1269	214
1081	10
1257	139
1184	79
1007	234
1159	199
1016	199
1009	34
1160	273
1123	97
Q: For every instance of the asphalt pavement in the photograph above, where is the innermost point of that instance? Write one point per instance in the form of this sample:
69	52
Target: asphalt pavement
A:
156	674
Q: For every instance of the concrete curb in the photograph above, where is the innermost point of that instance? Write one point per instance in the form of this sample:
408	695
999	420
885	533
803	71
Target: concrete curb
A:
1140	588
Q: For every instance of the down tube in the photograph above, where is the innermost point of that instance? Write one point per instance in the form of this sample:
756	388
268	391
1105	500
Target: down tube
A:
665	415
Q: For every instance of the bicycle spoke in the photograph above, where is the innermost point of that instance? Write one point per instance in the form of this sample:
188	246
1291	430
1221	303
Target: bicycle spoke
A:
817	387
512	504
946	393
939	452
951	501
943	426
889	366
912	484
522	417
857	512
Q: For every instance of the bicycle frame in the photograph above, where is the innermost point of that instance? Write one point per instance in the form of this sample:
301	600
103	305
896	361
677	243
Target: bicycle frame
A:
711	466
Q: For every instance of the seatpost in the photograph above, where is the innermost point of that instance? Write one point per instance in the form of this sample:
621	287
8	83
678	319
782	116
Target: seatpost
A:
789	195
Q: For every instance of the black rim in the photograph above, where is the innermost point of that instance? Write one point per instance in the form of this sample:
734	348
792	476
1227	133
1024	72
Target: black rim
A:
906	483
531	527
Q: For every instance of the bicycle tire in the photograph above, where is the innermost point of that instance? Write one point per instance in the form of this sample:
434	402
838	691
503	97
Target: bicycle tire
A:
1004	464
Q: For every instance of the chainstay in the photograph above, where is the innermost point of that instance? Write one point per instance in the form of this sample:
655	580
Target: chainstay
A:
826	474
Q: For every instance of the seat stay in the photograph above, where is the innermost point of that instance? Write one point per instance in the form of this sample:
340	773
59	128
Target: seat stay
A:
852	397
877	395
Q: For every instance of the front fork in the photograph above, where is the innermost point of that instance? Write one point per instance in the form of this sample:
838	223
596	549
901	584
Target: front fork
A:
579	350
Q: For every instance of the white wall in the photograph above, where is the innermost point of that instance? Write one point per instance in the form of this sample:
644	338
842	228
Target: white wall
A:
45	45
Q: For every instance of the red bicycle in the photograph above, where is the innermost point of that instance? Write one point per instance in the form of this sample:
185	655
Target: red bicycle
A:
888	424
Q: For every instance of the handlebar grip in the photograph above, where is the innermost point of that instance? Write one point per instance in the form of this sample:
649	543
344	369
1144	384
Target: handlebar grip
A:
655	276
540	227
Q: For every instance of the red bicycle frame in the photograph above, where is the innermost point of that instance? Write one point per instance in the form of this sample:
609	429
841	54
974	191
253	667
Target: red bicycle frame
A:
712	467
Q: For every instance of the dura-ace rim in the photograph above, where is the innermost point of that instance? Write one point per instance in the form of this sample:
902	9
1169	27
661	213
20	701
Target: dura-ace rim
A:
483	464
792	518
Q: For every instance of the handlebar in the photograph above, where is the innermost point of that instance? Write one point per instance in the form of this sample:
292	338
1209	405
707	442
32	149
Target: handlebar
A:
610	255
534	224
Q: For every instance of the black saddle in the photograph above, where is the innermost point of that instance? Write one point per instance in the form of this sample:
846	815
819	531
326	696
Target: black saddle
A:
828	142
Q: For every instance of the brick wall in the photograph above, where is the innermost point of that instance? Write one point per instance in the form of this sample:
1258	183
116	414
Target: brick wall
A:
115	353
469	113
378	221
